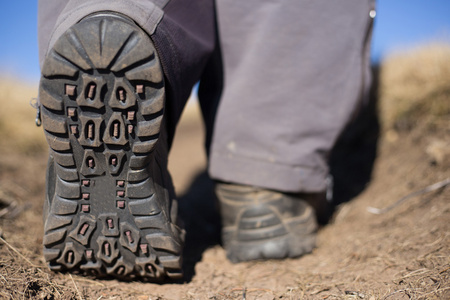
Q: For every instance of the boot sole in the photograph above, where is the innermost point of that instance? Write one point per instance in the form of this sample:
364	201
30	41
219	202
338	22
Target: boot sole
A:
102	102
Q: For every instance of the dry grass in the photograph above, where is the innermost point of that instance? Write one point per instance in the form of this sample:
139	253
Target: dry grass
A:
416	84
17	118
412	84
401	254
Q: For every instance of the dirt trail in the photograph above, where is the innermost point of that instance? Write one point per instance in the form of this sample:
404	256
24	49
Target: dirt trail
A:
401	254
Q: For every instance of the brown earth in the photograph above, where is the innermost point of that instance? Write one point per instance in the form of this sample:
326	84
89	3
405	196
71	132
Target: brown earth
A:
403	253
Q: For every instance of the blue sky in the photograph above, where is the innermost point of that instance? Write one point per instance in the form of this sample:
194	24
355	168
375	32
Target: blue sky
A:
399	25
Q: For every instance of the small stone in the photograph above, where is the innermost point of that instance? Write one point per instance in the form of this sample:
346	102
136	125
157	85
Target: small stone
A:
110	223
70	257
129	237
71	111
91	91
144	248
70	90
84	228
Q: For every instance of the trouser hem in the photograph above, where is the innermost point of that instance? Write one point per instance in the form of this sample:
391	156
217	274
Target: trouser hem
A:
269	175
146	14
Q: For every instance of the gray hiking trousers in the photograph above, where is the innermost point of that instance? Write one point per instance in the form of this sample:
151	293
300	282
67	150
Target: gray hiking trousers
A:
279	79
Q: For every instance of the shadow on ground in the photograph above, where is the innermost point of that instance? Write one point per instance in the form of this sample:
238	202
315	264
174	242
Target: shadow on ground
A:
197	208
353	157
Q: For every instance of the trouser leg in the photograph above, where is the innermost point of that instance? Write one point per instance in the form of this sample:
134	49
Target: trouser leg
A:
294	73
182	31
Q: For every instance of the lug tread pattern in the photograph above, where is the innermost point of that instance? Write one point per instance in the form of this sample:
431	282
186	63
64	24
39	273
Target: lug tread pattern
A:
67	174
102	97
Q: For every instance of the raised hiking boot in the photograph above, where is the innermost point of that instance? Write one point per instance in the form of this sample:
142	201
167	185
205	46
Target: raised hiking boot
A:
264	224
109	208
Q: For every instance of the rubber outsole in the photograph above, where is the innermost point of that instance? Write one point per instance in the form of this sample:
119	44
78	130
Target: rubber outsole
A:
262	224
102	103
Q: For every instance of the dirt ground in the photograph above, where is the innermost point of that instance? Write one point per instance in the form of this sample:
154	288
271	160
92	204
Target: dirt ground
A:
389	153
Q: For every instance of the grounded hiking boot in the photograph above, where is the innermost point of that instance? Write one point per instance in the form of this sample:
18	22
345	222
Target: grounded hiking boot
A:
264	224
109	208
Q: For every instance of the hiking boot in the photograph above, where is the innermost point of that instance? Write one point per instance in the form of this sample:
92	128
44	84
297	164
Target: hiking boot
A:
109	207
264	224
